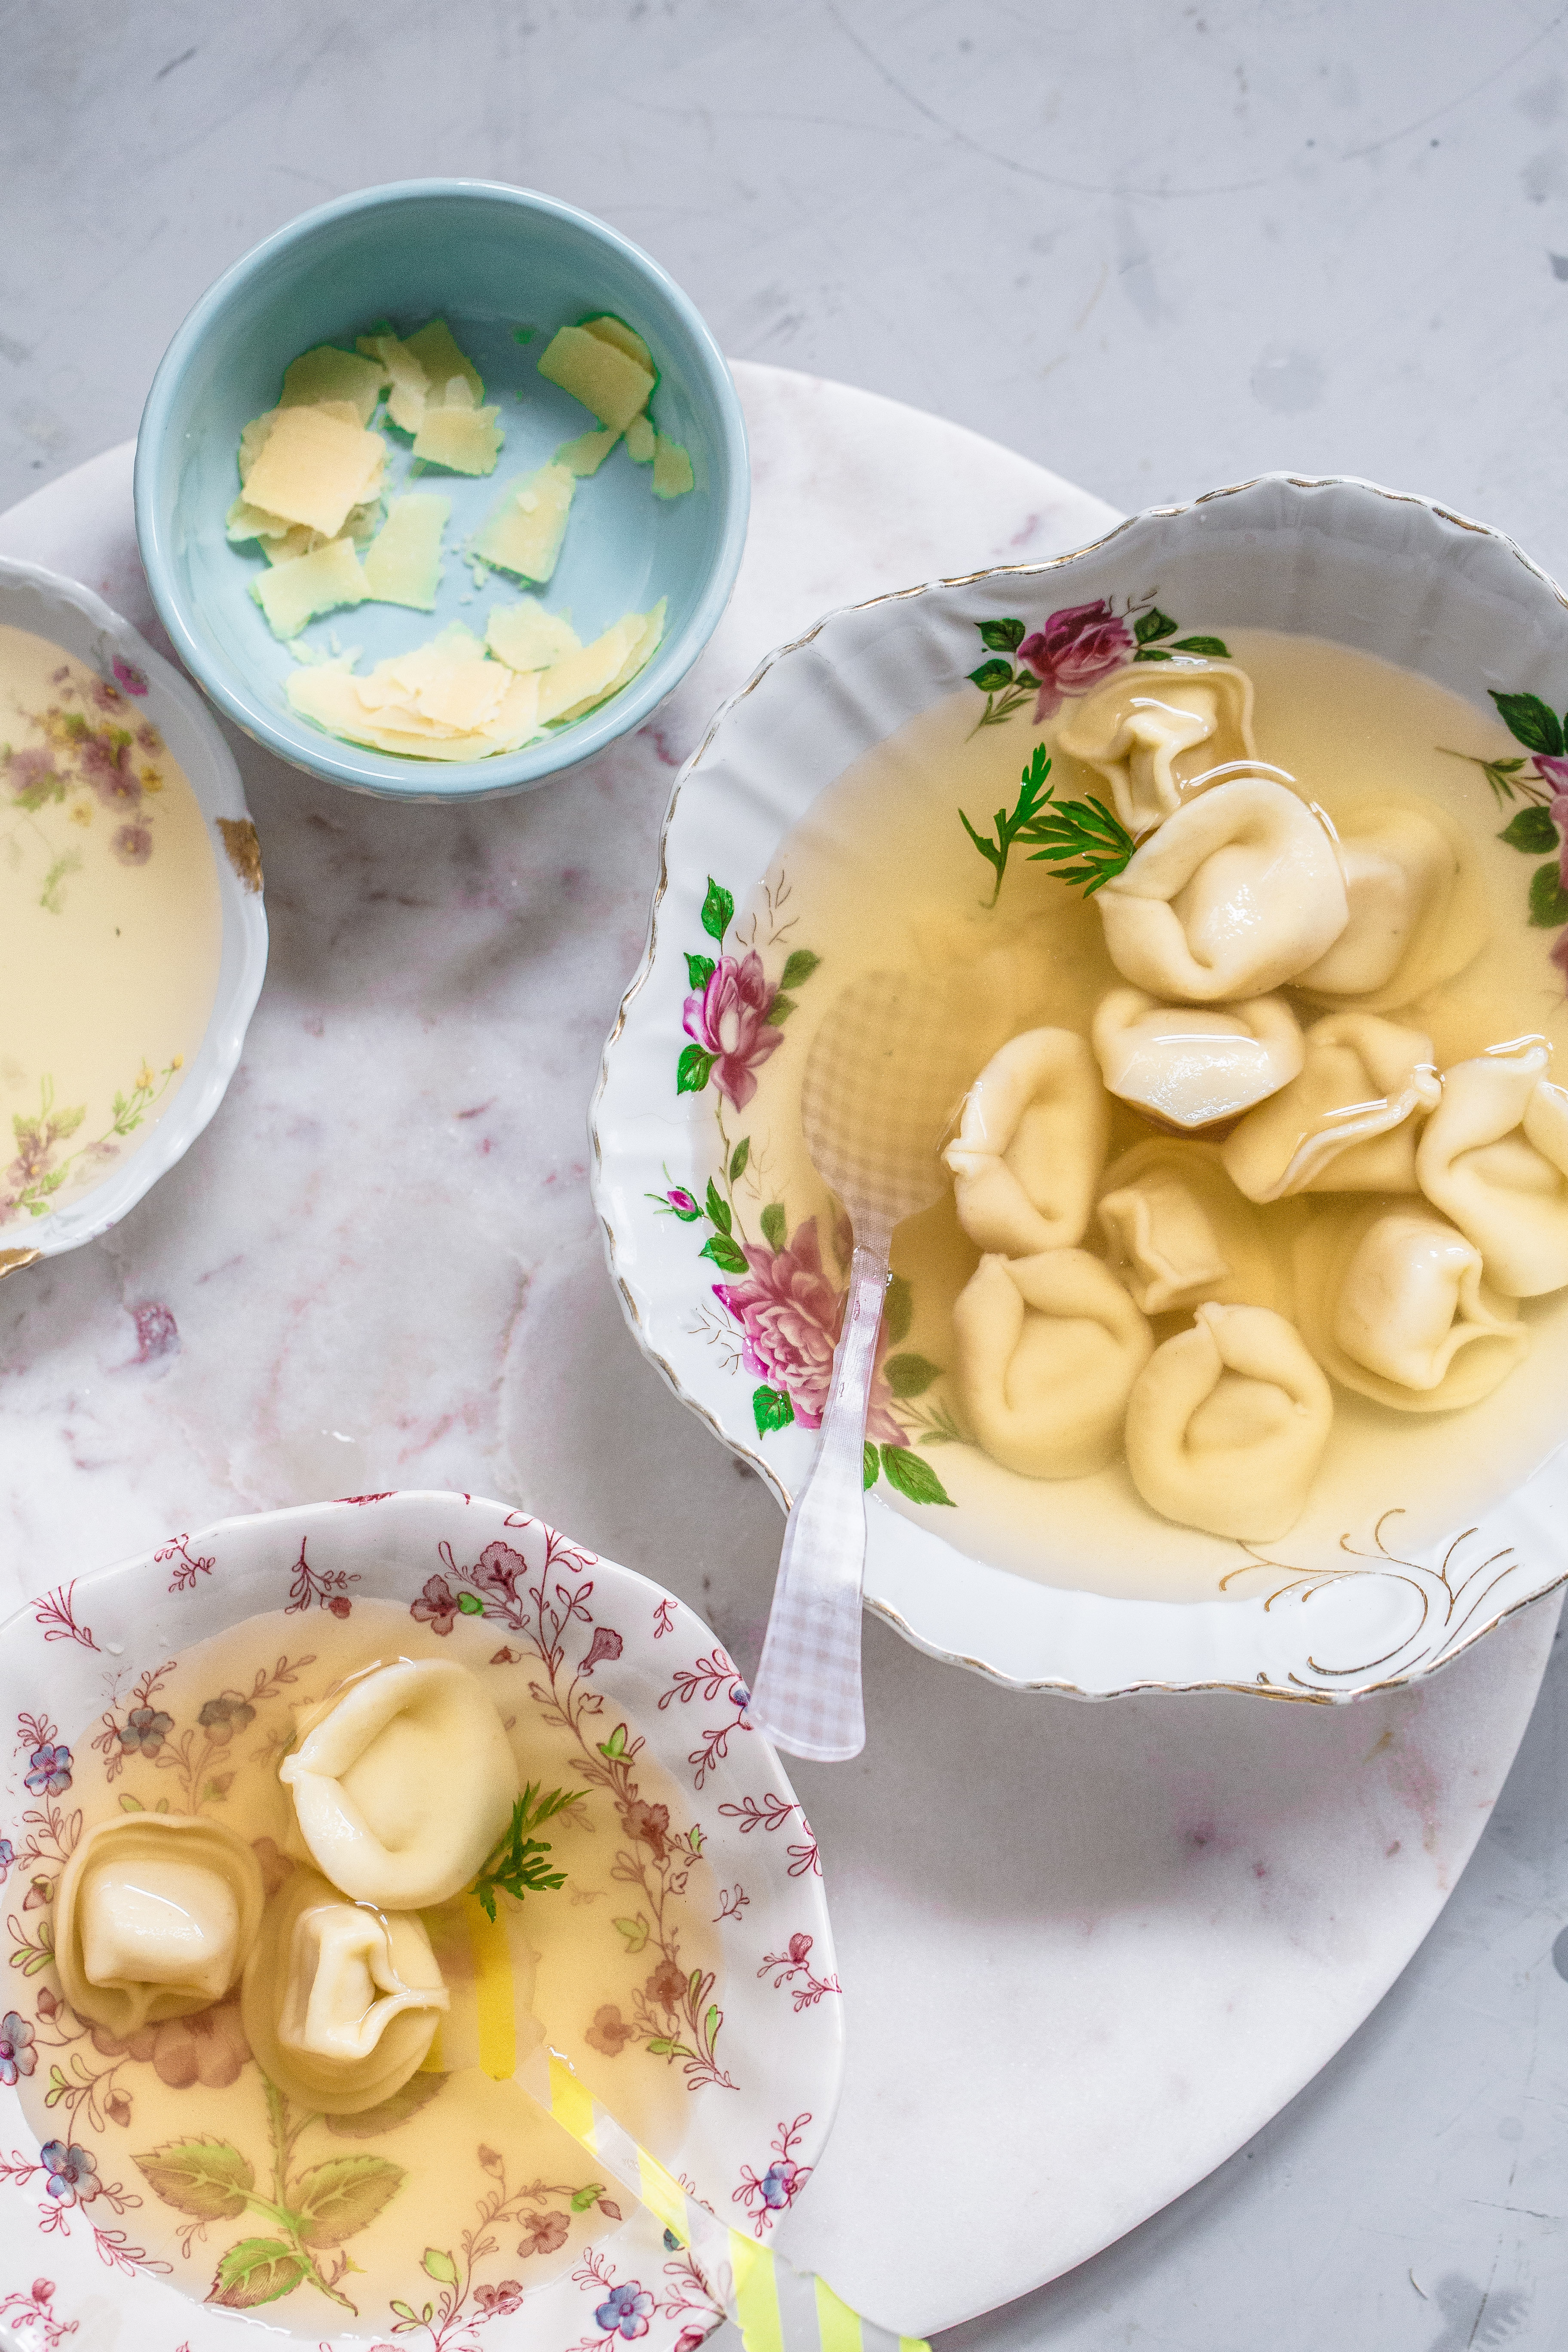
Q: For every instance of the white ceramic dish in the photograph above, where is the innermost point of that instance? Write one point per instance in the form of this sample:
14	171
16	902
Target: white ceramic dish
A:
1395	576
73	617
610	1645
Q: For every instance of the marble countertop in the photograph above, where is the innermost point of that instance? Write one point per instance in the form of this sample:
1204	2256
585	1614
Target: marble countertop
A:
1338	242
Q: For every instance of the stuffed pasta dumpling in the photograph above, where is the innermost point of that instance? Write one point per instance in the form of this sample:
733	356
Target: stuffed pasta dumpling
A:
1394	1303
1415	917
1240	890
340	2000
1348	1122
403	1783
1494	1158
1177	1231
1226	1424
154	1919
1154	739
1031	1145
1048	1349
1192	1067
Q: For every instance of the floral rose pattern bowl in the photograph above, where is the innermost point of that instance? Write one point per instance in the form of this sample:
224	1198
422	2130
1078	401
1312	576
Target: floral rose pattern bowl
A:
635	1684
736	1298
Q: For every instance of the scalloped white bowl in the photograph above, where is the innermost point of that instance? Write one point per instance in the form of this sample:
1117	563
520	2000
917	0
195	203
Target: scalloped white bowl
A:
73	617
1393	575
66	1656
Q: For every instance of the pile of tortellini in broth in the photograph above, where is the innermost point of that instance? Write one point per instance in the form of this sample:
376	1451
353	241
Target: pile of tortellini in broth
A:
1317	1205
402	1779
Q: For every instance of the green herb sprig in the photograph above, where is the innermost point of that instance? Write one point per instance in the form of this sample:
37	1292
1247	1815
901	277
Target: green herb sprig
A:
516	1863
1055	831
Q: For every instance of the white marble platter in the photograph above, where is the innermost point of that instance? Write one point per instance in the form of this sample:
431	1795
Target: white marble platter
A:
1087	1951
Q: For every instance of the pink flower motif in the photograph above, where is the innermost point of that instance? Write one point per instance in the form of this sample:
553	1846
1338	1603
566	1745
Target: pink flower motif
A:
606	1643
1076	647
790	1314
436	1605
130	678
500	1566
106	766
543	2232
1556	774
800	1949
132	845
729	1019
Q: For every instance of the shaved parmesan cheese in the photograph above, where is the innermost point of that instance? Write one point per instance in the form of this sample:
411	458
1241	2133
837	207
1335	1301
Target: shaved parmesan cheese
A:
443	701
328	374
570	684
588	452
640	439
456	392
645	648
605	378
402	563
526	638
436	353
671	469
319	582
410	384
314	467
611	329
525	530
465	440
244	522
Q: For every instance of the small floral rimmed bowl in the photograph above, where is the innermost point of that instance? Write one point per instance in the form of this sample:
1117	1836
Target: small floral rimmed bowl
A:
751	2078
744	1335
499	262
66	1185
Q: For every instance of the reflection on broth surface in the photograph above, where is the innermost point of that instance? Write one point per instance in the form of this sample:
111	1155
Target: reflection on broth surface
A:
1295	974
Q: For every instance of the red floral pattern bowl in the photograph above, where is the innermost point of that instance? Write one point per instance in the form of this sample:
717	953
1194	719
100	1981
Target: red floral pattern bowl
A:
622	1669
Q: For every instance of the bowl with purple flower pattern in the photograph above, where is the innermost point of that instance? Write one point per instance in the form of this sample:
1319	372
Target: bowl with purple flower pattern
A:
676	1950
1238	844
132	936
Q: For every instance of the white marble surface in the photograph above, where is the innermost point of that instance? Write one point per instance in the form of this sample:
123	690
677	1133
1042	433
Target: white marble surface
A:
1110	1942
1157	246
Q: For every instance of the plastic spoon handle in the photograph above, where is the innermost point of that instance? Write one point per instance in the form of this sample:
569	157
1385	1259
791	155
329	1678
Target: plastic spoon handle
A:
807	1694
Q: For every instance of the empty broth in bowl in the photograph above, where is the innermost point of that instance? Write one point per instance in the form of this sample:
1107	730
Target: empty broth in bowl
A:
1256	1230
109	924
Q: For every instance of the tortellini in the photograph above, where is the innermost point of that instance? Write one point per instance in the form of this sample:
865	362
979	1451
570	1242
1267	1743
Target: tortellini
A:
1413	921
1154	738
1348	1122
1193	1066
154	1919
1048	1349
1177	1231
1226	1424
1494	1158
403	1783
1031	1145
1393	1304
1237	891
340	2001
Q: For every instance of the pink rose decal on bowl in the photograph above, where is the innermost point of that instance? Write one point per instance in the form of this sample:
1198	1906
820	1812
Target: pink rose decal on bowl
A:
1076	648
783	1300
1072	650
1534	790
729	1019
789	1314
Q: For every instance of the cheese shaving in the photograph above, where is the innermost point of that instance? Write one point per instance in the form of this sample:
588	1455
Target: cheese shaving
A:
605	379
526	638
464	440
436	353
640	440
314	467
639	633
330	375
410	384
588	452
672	474
608	329
444	700
525	530
315	583
402	563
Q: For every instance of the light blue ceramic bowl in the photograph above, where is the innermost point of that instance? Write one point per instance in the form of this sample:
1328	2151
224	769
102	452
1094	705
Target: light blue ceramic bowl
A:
491	260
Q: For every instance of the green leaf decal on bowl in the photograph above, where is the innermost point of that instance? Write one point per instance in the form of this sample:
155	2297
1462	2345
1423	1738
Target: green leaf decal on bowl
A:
913	1477
718	911
1548	898
1533	831
771	1409
911	1376
1531	722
